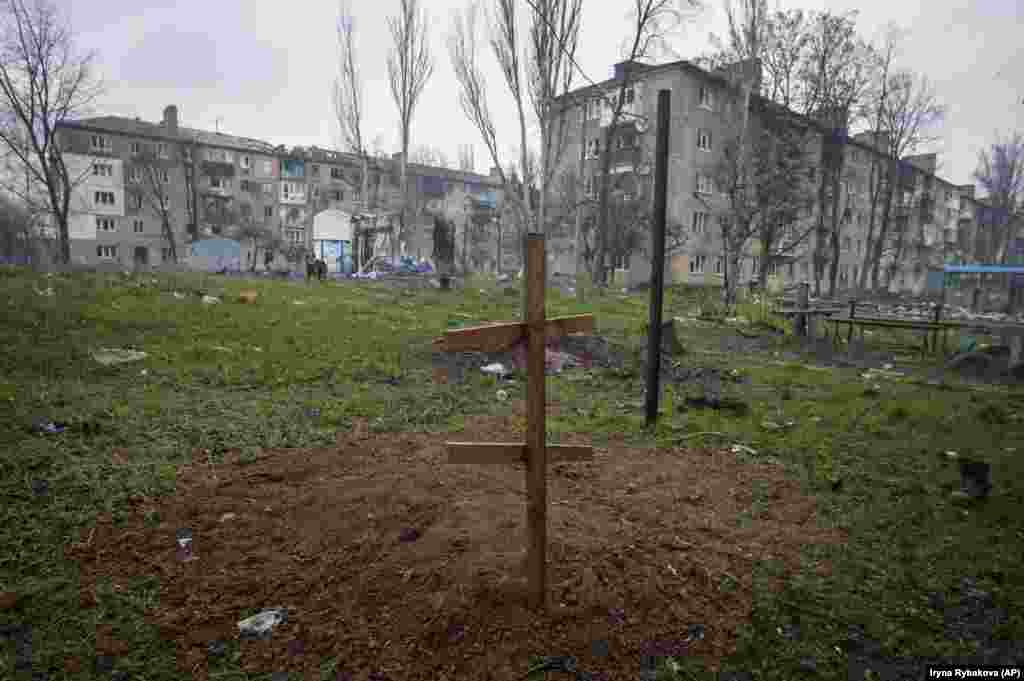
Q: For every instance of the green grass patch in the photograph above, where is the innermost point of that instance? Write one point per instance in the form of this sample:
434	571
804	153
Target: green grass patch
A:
305	360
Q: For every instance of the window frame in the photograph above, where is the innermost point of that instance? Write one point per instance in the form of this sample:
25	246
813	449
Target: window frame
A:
706	98
703	139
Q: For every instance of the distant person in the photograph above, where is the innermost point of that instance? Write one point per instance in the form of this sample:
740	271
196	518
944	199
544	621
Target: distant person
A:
310	267
321	269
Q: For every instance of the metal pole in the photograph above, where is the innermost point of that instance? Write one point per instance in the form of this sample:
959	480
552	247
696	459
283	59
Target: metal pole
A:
658	262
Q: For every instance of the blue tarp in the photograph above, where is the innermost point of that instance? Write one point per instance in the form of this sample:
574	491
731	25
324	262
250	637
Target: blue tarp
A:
216	255
15	260
488	199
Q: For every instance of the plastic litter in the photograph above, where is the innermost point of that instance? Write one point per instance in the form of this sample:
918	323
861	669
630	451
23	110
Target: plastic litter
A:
185	554
179	295
111	356
408	534
48	427
211	300
496	369
502	395
262	624
743	449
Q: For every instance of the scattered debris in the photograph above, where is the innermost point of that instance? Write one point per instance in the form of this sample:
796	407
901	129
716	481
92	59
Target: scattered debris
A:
248	297
298	302
185	554
296	647
722	404
951	455
179	295
496	369
216	648
808	665
111	356
408	534
211	300
502	396
772	425
40	487
262	624
227	516
743	449
8	600
43	427
48	292
221	348
975	478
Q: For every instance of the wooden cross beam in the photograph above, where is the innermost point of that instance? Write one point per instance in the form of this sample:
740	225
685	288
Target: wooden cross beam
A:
534	452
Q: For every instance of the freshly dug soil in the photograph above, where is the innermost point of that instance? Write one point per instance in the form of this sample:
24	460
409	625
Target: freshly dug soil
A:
398	563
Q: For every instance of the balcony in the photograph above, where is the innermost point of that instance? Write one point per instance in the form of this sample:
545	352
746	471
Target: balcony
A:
222	191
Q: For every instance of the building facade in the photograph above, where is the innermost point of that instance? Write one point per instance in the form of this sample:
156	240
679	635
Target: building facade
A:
934	221
217	184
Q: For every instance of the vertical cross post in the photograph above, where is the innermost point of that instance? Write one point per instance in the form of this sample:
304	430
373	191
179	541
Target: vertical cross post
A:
536	426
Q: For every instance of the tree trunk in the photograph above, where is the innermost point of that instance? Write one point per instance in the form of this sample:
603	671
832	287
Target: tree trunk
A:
875	187
465	244
883	231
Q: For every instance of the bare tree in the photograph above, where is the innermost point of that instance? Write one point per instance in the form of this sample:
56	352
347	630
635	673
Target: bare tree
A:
781	186
467	160
908	116
879	170
462	46
739	59
150	182
783	54
259	237
1000	173
652	23
410	66
18	239
553	39
836	75
45	81
348	94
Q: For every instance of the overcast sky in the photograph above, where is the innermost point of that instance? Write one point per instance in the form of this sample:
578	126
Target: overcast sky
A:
264	69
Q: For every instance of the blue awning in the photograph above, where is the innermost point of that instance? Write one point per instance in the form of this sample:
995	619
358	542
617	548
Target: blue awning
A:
983	269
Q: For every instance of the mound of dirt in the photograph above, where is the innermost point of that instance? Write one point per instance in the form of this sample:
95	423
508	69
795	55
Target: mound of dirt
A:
398	563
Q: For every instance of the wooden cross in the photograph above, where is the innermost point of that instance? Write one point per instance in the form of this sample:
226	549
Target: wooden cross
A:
534	452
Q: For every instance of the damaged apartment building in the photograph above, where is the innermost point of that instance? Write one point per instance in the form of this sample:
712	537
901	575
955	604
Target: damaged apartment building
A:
129	174
937	221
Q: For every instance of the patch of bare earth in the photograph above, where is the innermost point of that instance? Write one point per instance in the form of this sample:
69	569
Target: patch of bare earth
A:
650	532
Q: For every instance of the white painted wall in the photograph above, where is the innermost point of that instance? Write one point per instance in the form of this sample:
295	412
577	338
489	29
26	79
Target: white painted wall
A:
332	225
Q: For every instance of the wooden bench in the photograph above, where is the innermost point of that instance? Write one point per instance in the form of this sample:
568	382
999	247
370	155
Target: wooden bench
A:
878	322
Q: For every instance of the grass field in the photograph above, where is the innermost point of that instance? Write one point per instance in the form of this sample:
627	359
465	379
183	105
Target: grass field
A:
307	361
